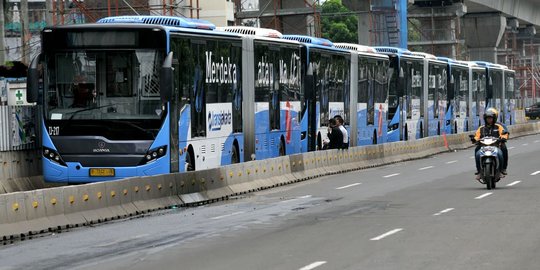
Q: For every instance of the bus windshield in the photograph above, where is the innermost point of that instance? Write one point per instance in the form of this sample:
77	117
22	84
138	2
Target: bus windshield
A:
103	85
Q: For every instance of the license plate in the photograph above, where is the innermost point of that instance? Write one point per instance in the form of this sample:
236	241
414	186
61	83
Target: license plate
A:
97	172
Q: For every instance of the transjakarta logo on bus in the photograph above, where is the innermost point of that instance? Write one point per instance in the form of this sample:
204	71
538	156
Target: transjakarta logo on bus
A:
222	72
218	119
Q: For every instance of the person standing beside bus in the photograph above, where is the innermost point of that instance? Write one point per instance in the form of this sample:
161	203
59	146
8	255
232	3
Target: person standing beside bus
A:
343	130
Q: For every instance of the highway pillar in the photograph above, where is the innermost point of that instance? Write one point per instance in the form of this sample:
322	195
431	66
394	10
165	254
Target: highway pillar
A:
483	32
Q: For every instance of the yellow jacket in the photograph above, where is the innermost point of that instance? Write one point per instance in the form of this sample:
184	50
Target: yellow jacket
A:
497	130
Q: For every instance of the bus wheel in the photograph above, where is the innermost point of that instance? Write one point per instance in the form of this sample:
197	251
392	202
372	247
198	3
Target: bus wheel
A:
190	160
319	142
421	131
374	137
282	149
234	155
438	129
455	128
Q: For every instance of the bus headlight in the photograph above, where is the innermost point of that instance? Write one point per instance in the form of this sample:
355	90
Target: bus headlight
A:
53	156
153	154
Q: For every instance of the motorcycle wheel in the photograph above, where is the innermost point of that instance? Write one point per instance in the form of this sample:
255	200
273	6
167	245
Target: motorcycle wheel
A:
487	176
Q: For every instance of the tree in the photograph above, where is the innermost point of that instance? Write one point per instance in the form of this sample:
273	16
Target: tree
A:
338	27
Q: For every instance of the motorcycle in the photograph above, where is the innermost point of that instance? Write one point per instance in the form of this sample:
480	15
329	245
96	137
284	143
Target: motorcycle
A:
490	166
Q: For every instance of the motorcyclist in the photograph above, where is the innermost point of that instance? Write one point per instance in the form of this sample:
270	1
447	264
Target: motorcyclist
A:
492	129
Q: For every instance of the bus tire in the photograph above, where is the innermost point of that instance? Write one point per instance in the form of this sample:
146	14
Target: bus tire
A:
282	149
190	159
235	158
421	130
455	128
374	142
439	129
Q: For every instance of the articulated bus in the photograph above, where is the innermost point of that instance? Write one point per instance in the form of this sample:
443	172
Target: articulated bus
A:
477	94
435	93
369	95
457	115
494	86
328	69
509	106
406	95
277	102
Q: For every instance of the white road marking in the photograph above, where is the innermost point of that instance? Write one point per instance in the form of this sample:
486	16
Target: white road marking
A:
451	161
511	147
425	168
391	175
513	183
386	234
229	215
348	186
471	157
443	211
525	144
537	141
313	265
483	195
535	173
301	197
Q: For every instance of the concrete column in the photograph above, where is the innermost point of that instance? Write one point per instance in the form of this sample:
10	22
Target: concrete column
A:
483	32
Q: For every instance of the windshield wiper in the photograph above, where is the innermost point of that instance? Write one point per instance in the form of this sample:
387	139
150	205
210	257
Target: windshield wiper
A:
137	127
89	109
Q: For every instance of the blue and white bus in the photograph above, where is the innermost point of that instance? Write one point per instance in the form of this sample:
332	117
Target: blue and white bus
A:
328	68
477	93
509	107
406	95
110	108
458	113
369	96
435	93
494	86
274	71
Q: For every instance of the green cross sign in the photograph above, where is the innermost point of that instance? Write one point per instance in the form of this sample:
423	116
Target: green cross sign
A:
19	94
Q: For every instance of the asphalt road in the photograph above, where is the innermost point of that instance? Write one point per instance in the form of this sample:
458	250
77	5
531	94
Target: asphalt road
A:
423	214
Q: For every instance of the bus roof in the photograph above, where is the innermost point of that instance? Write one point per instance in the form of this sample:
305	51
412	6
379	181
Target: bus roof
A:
425	55
392	50
160	20
253	31
355	47
490	65
310	40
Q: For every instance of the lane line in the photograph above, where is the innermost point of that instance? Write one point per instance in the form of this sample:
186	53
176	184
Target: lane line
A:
313	265
229	215
525	144
391	175
535	173
386	234
451	161
511	147
537	141
295	199
443	211
425	168
513	183
483	195
348	186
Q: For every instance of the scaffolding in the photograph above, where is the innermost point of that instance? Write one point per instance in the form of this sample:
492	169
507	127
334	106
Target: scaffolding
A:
383	23
290	16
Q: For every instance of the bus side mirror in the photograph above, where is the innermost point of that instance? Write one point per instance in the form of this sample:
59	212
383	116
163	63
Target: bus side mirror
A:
32	83
166	78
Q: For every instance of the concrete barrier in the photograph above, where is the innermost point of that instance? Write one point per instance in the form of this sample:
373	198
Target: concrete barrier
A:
31	212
